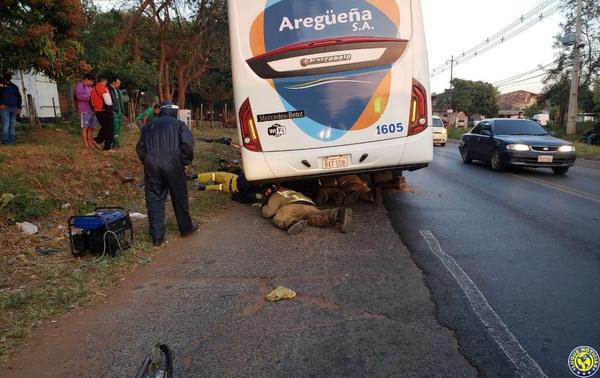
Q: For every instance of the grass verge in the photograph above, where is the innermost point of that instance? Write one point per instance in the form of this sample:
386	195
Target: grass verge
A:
49	177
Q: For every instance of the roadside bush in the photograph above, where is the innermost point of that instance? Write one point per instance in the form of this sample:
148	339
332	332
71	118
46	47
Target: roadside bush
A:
456	133
561	132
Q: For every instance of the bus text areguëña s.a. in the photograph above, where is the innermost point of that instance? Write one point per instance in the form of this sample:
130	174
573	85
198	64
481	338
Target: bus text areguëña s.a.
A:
327	87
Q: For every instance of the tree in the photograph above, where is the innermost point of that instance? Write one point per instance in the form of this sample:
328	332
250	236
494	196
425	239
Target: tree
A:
168	45
190	36
532	110
471	97
41	36
135	61
557	82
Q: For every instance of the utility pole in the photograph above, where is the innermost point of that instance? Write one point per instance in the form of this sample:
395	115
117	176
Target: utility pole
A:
573	97
451	89
451	70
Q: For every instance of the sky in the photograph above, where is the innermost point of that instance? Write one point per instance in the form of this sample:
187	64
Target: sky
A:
456	25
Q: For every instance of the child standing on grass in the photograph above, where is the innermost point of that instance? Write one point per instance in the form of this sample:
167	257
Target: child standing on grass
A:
83	90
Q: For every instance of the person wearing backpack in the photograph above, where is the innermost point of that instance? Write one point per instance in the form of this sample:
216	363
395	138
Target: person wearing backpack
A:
83	91
103	107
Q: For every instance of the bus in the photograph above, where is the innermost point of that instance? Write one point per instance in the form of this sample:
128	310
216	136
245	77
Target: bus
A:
330	87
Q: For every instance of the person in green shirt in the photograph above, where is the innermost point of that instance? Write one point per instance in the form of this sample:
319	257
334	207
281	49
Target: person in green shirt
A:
147	116
118	108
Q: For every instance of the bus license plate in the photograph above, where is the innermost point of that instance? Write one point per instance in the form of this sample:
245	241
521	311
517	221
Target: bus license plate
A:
545	159
333	162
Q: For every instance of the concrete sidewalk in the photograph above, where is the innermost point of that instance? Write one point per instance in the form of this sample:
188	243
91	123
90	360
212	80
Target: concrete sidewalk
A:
362	309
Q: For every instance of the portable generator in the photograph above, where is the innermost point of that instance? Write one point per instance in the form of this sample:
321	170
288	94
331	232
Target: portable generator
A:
104	232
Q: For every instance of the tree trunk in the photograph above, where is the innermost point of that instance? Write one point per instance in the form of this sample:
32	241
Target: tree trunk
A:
181	87
70	99
137	52
126	30
161	71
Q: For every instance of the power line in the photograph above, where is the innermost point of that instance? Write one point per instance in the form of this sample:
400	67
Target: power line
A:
499	34
505	38
509	27
521	80
545	9
518	76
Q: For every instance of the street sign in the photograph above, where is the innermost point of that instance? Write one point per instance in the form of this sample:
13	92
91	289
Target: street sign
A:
450	111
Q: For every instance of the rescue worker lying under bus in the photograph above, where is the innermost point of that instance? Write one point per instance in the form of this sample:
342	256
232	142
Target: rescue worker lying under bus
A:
343	190
292	211
241	190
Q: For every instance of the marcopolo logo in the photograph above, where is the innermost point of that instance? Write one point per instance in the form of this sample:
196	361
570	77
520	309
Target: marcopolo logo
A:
277	130
325	59
583	361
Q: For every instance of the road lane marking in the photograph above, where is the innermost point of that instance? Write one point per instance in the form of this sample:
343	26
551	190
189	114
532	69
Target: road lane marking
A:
561	188
514	351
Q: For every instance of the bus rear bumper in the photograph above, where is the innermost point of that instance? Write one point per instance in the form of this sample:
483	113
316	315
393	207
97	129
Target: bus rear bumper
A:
362	158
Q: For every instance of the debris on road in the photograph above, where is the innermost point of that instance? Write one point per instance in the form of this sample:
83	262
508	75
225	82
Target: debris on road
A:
27	228
281	293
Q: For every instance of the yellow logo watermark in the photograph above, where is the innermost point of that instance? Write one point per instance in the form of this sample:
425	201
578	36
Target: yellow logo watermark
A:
584	361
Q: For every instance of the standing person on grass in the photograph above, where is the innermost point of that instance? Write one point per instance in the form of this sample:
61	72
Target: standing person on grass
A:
83	91
118	109
103	107
10	108
165	147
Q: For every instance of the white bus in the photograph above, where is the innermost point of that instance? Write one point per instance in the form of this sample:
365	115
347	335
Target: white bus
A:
328	87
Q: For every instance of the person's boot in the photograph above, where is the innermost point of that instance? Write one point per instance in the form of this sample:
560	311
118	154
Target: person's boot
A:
322	197
343	217
351	198
297	227
339	198
188	233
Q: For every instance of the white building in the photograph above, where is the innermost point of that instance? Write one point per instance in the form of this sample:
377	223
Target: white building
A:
40	95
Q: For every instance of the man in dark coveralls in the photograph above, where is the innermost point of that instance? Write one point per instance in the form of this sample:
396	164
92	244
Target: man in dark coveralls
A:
165	147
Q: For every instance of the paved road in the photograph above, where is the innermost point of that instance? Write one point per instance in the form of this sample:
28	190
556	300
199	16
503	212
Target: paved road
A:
527	240
362	309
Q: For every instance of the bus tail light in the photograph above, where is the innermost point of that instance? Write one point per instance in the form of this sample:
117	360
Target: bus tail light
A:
250	138
418	109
